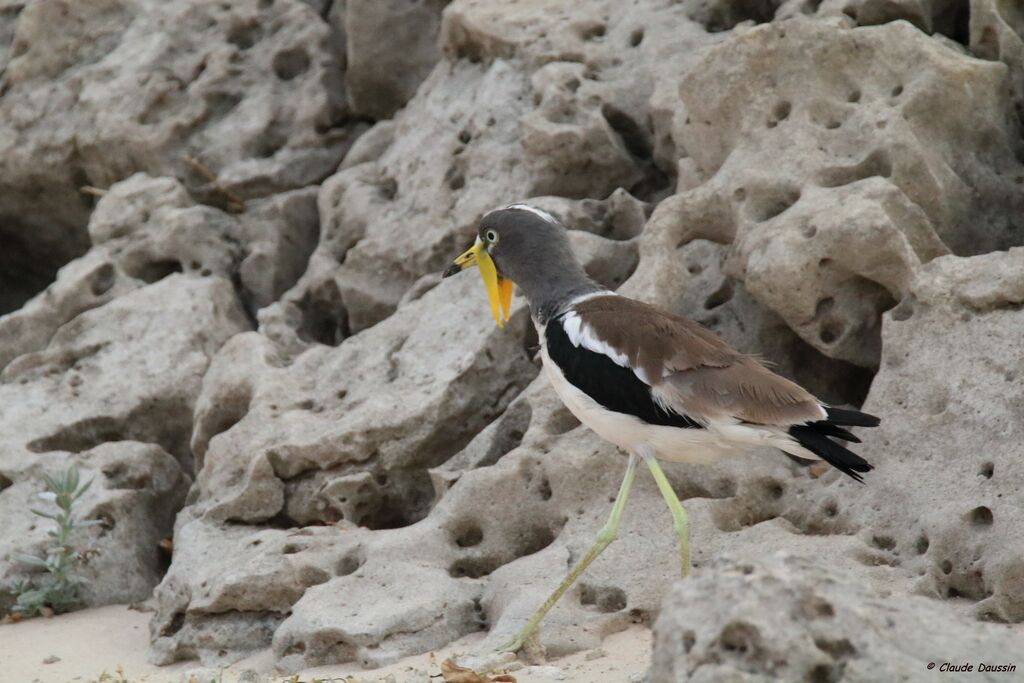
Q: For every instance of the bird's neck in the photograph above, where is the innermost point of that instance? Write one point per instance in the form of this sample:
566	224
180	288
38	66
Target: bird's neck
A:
550	291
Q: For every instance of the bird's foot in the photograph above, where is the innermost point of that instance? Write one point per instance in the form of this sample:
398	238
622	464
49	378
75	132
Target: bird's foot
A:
525	639
513	645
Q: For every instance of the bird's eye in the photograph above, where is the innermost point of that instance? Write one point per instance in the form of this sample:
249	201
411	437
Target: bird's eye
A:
491	236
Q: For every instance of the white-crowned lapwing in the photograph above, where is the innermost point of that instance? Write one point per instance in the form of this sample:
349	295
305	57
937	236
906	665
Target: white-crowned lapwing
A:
655	384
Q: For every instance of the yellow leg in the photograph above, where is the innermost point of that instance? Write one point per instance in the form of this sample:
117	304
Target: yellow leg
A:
680	522
604	539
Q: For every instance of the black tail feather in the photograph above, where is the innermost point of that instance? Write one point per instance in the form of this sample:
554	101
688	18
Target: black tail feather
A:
815	438
851	418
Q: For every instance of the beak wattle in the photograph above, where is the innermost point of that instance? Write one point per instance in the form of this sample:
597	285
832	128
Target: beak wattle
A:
499	289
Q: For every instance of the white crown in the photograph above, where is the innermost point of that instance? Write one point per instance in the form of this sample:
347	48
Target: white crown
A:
541	213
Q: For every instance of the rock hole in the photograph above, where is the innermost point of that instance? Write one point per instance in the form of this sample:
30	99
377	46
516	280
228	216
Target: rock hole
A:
31	257
469	535
947	567
291	549
244	36
953	20
290	63
153	271
606	599
921	546
102	279
822	673
82	436
512	426
472	568
854	96
349	564
981	516
772	202
479	614
987	470
897	91
836	649
720	296
629	131
544	489
121	476
740	194
740	638
636	37
875	164
782	110
689	640
904	310
830	332
724	16
773	489
816	607
883	542
272	141
324	317
593	32
174	625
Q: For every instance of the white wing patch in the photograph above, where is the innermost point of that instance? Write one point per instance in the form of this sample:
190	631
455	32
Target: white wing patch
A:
580	335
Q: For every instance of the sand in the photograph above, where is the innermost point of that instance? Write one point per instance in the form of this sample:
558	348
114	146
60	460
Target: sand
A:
80	647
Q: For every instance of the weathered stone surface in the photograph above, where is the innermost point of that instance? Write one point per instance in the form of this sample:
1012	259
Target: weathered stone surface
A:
997	32
791	618
818	166
378	469
382	74
68	402
96	91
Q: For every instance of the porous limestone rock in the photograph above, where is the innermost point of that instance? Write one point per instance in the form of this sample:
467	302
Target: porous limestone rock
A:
68	402
509	113
377	430
391	47
843	157
793	618
94	92
378	469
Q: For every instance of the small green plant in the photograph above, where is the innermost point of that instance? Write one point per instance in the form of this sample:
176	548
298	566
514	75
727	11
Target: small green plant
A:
58	588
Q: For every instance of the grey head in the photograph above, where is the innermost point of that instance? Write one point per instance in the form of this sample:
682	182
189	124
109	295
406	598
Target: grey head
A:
531	248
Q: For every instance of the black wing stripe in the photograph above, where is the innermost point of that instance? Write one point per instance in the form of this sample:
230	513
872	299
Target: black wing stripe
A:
614	387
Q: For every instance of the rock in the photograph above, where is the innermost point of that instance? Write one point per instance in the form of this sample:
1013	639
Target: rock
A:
947	17
997	33
961	317
94	92
377	468
792	618
148	228
68	403
860	169
382	75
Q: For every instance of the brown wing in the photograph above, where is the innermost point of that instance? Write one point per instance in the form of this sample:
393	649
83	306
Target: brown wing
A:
691	369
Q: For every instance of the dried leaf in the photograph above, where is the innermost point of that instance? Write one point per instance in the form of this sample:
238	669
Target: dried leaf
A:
453	673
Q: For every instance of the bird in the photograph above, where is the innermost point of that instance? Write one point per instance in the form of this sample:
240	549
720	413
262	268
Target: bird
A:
655	384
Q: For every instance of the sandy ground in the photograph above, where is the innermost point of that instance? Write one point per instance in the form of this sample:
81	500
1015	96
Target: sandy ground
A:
80	647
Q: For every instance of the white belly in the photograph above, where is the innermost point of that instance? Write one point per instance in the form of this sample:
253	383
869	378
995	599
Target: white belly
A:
674	444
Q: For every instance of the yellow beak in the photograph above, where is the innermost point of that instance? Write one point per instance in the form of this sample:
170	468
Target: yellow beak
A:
499	289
